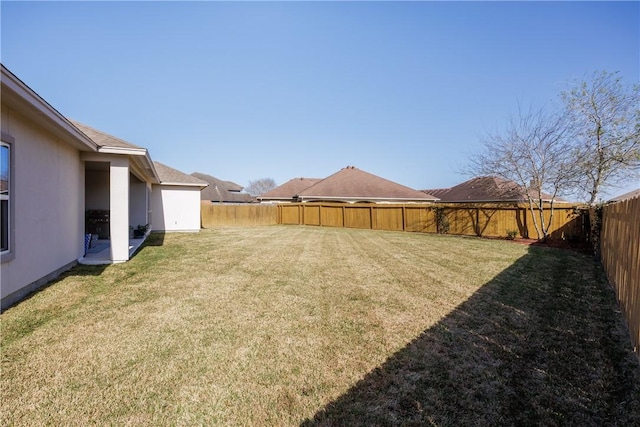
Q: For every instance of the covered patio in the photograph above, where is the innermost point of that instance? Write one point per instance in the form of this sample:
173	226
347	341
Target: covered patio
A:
101	253
118	183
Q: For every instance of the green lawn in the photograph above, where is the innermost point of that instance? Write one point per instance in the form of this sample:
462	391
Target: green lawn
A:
289	325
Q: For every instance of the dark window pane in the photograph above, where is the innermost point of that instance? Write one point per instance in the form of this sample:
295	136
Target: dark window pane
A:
4	225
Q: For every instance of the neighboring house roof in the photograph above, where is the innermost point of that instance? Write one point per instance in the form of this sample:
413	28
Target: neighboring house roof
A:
227	185
220	191
485	189
171	176
437	192
351	184
289	190
630	195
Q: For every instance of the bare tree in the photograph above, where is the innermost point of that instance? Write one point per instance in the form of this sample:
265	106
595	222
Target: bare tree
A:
260	186
531	151
605	118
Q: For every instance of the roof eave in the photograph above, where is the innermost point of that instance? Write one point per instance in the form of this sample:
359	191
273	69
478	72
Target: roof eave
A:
184	184
139	156
498	201
17	95
276	198
365	199
122	150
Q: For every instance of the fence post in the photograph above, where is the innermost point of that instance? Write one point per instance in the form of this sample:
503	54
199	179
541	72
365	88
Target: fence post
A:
371	217
404	218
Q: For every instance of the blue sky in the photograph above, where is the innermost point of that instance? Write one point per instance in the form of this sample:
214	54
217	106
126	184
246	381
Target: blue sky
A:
249	90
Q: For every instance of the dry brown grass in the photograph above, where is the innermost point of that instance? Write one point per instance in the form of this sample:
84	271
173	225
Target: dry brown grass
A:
287	325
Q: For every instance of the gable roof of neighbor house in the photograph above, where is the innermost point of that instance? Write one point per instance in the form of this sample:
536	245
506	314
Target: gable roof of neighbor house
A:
485	189
289	190
171	176
220	191
351	184
630	195
227	185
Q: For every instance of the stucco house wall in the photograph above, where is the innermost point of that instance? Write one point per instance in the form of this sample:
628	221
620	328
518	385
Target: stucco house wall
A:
48	186
58	170
138	201
175	208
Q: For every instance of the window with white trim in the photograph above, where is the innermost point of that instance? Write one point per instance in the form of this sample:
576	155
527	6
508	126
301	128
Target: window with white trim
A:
5	196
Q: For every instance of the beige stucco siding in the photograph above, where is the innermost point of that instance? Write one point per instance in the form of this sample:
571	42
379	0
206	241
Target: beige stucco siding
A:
138	202
48	198
175	208
119	208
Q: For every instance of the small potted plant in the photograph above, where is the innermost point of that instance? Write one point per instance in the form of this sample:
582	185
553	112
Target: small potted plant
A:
140	231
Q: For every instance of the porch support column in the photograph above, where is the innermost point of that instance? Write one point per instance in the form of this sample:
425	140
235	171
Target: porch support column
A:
119	209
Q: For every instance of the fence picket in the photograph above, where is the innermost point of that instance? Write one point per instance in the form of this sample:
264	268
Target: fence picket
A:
620	255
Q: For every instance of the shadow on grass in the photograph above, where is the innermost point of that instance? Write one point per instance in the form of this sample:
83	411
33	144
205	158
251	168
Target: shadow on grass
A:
77	270
155	238
543	343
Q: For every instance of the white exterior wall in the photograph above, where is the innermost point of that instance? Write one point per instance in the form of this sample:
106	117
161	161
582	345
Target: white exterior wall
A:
137	202
119	209
175	208
48	198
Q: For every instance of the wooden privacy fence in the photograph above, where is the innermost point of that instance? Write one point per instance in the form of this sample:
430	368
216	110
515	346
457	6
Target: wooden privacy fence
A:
212	215
620	254
472	219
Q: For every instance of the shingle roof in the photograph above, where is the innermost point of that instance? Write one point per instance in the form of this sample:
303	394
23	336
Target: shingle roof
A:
437	192
353	184
485	189
212	180
169	175
138	156
289	189
103	139
630	195
222	191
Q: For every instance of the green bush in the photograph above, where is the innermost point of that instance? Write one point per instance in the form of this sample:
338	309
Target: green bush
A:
441	221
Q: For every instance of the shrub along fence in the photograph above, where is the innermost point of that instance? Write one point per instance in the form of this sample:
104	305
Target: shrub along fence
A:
213	215
620	255
490	220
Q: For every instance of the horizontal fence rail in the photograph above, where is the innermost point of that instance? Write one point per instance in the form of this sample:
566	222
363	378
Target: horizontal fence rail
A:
620	254
470	219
